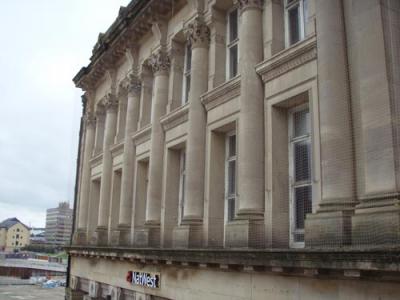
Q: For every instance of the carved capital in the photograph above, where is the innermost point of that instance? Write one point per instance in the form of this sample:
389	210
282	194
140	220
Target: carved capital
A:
249	4
198	33
159	62
89	119
110	102
134	85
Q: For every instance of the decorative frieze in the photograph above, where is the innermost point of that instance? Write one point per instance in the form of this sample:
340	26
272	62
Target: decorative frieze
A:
198	33
159	62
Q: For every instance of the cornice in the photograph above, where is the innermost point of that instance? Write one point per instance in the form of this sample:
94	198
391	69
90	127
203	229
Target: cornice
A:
288	59
117	149
221	93
175	117
132	23
143	135
368	264
96	160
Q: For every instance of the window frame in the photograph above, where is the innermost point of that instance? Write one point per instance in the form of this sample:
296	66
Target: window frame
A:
187	74
182	183
292	184
228	196
302	20
231	44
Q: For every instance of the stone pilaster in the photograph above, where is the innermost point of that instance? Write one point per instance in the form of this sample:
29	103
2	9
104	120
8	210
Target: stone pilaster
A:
250	172
377	216
331	224
90	127
100	123
160	63
125	210
111	105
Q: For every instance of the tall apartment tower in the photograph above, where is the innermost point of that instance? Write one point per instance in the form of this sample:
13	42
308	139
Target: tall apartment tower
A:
241	149
59	224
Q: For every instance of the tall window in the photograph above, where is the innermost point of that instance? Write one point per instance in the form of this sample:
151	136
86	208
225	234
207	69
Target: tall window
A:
299	172
230	176
182	176
232	43
186	74
295	16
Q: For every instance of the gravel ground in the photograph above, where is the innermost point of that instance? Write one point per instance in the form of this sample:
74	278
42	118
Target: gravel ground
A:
30	292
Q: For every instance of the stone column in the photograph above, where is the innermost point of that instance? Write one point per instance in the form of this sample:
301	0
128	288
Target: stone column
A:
90	127
145	97
250	172
189	233
370	40
125	210
199	37
100	120
160	64
331	226
111	105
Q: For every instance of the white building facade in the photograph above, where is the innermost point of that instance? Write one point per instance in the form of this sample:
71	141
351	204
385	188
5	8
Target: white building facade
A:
241	150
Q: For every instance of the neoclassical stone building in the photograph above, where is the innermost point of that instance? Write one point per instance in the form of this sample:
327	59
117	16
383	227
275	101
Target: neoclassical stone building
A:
241	149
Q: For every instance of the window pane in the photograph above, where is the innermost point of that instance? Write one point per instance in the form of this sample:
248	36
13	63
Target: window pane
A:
232	145
233	25
231	177
231	209
188	58
301	121
294	26
302	160
187	88
302	205
233	61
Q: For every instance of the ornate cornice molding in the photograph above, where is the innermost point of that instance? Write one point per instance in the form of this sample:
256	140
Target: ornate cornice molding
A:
159	62
288	59
175	117
221	94
249	4
143	135
198	33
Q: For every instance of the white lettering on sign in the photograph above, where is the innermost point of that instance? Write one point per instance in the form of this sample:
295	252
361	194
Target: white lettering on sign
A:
144	279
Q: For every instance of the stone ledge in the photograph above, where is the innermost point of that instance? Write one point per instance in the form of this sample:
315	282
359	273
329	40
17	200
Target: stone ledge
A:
369	263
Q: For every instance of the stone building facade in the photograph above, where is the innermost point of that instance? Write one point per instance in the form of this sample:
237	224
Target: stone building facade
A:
14	235
241	149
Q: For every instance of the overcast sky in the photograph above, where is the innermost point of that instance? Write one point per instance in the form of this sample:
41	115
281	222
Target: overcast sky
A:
43	45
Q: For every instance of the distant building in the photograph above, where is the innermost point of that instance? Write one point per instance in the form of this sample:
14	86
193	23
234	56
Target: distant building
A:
13	234
59	224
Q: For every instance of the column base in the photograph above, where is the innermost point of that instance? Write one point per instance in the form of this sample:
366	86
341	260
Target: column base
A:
80	237
71	294
245	234
328	229
376	226
187	236
148	236
100	236
123	235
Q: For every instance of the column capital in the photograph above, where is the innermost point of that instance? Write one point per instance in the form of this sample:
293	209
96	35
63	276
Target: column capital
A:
249	4
159	62
134	85
198	33
89	119
110	102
